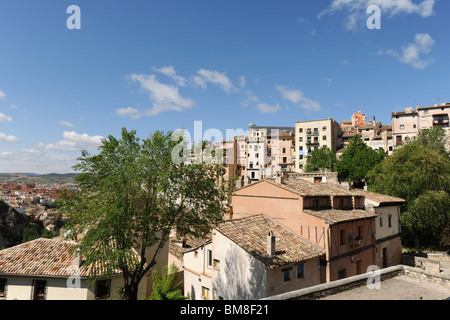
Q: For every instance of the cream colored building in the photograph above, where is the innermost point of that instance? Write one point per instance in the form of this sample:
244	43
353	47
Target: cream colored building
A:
311	135
47	269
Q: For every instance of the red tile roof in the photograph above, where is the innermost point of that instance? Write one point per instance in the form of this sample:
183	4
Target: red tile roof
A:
335	216
250	233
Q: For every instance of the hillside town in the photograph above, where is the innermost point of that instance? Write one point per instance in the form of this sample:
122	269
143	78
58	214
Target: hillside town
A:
285	229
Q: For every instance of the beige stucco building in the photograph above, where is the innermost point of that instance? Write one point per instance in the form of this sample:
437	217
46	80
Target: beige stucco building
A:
46	269
311	135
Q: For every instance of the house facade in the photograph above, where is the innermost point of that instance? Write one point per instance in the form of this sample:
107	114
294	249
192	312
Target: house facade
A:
251	258
46	269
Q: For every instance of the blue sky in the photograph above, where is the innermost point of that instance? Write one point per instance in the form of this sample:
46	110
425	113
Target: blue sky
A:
161	65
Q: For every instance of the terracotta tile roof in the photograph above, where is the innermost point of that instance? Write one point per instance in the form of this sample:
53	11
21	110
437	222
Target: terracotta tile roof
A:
45	257
335	216
305	188
378	197
250	233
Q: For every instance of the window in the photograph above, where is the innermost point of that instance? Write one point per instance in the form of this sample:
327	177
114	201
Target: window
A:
324	128
39	290
253	175
286	274
360	233
342	237
390	221
210	259
216	264
300	270
300	139
414	126
324	138
284	150
205	293
342	273
284	159
196	254
2	288
402	126
300	130
381	221
102	288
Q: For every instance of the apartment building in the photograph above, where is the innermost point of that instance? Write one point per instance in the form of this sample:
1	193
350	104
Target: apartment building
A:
265	149
372	132
408	123
311	135
330	217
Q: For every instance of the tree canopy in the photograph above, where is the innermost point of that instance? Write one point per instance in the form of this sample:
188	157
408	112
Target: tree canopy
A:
418	172
321	159
357	160
133	194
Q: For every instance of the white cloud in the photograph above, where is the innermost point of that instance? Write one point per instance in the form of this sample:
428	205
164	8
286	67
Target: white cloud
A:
76	141
266	108
297	97
132	112
164	97
170	72
2	95
356	9
215	77
5	118
411	54
66	123
8	139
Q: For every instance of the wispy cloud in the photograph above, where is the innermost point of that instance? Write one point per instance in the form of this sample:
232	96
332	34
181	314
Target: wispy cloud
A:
8	139
171	73
215	77
164	97
76	141
267	108
297	97
66	124
2	95
412	53
5	118
356	14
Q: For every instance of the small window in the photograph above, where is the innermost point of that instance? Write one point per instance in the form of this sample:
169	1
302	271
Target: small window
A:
102	289
286	274
402	127
342	274
381	221
284	150
324	128
300	130
300	139
196	254
324	138
300	270
2	288
216	264
342	237
39	290
205	293
390	221
210	259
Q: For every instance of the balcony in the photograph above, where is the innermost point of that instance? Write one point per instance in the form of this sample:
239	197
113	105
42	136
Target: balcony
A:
312	132
312	142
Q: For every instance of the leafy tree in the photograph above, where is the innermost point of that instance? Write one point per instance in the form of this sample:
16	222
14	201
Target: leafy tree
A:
133	195
167	287
321	159
418	172
357	160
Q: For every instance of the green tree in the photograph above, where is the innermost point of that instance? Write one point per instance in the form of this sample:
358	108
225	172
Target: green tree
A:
418	172
167	286
357	160
321	159
133	194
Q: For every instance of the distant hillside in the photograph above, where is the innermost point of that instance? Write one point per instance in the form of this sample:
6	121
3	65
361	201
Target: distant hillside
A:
38	178
58	176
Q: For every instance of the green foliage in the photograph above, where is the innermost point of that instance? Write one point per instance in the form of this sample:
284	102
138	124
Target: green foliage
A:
418	172
167	287
321	159
133	194
358	160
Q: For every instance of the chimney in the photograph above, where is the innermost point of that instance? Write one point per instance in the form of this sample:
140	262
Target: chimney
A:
271	243
77	260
